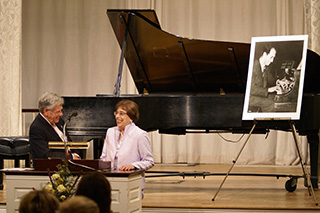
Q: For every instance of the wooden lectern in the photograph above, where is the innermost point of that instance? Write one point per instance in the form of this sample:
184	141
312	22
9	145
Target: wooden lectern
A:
74	165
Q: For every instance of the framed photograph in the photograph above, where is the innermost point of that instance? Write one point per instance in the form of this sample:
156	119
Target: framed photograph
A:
275	78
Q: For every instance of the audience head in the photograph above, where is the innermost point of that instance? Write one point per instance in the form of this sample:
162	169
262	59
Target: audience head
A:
96	187
39	201
79	204
50	106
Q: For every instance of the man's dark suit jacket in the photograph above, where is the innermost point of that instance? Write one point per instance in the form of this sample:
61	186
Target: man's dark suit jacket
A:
259	96
40	133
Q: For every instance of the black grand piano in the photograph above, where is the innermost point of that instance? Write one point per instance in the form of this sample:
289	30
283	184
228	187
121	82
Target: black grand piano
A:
186	84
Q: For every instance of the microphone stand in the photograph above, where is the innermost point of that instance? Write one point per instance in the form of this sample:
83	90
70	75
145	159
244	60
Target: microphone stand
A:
66	148
65	141
64	135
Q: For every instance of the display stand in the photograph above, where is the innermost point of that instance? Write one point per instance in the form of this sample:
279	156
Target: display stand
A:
304	169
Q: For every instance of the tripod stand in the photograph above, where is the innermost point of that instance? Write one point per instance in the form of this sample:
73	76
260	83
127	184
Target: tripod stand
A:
304	169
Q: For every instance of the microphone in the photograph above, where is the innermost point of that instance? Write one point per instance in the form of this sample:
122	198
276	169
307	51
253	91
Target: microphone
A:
72	115
64	134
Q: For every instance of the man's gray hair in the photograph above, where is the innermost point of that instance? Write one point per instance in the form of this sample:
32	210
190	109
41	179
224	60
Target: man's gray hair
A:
49	100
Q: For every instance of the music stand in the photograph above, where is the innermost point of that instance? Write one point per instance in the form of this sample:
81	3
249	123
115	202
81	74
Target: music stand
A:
70	145
79	145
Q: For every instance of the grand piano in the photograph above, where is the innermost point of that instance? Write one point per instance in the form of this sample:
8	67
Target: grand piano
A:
186	85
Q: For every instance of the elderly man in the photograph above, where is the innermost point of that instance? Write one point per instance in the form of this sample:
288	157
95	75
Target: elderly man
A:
48	126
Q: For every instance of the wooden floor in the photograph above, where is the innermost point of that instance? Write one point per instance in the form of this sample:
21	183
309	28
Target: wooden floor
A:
239	193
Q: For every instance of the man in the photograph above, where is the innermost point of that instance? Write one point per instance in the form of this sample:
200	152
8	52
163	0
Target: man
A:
48	126
263	82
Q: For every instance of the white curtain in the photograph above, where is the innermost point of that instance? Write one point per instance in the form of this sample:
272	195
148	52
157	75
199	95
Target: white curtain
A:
10	68
312	10
312	16
69	48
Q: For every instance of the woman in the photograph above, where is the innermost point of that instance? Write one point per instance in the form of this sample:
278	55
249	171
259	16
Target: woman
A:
127	146
96	187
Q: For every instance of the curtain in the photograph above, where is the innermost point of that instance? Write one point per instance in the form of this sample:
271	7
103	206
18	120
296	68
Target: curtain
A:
312	11
69	48
312	18
10	68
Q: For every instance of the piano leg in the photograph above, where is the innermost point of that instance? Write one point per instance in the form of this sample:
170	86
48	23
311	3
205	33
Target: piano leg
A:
313	140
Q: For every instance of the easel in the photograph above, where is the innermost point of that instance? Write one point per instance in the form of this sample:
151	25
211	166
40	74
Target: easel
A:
304	169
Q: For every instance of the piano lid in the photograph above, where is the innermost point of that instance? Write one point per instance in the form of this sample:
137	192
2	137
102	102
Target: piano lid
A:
161	62
164	63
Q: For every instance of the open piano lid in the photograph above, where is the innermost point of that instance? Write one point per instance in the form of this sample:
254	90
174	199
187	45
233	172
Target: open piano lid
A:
161	62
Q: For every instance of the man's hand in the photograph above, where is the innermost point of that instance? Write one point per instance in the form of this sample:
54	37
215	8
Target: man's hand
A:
275	89
75	156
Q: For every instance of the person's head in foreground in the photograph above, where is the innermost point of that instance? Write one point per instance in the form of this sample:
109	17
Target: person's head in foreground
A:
39	201
96	187
79	204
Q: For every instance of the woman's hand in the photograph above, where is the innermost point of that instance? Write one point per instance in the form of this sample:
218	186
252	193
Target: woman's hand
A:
127	168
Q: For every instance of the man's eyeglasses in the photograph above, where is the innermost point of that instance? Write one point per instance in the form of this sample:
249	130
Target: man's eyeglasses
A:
120	113
57	112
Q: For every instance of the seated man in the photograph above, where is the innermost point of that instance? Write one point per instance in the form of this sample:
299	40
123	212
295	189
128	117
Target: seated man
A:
263	85
48	126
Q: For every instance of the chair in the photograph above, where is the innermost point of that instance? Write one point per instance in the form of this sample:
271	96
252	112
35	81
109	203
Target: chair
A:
16	148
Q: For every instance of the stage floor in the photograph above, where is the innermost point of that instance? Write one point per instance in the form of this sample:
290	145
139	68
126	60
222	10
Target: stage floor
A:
238	192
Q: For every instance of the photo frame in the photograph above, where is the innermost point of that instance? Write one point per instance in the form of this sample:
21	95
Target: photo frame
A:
275	78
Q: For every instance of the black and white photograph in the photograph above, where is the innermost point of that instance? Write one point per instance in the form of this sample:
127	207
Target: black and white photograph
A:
275	77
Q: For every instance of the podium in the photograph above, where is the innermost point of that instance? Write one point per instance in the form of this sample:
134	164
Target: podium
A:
74	165
125	185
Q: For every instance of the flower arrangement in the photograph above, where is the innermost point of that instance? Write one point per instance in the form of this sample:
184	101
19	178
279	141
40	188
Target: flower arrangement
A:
62	183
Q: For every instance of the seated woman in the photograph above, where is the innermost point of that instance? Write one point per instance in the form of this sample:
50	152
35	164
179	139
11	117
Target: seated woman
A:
96	187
